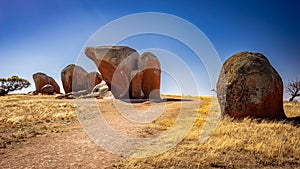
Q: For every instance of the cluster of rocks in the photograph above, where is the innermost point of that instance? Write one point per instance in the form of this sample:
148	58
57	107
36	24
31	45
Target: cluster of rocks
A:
124	75
127	74
248	86
77	82
45	84
100	91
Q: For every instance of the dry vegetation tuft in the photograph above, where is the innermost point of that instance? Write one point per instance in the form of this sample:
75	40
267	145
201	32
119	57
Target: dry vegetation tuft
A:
244	143
22	117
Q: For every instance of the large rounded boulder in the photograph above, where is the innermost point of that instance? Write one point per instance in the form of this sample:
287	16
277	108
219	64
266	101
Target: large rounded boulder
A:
150	66
73	78
248	86
115	64
41	79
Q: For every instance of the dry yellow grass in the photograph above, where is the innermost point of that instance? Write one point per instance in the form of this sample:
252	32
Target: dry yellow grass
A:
244	143
22	116
234	144
292	109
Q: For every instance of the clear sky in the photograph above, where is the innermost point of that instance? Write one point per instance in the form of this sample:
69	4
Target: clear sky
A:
47	35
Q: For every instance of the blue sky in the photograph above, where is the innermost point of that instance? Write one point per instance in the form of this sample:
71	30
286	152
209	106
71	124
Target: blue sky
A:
45	36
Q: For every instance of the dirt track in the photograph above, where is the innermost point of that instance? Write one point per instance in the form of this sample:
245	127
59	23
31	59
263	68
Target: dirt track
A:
72	148
69	149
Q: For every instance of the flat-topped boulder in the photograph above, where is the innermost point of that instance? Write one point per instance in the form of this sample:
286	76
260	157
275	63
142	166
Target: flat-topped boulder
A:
115	64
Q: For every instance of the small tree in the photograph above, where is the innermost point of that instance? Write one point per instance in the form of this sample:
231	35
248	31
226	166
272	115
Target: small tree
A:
293	89
13	83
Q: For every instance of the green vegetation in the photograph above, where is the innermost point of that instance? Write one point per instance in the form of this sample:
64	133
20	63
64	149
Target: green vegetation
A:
13	83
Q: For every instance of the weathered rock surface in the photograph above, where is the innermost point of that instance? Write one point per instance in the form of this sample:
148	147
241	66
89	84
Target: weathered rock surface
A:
127	74
47	89
248	86
150	66
102	91
101	88
73	78
92	79
137	84
2	91
115	64
99	91
41	79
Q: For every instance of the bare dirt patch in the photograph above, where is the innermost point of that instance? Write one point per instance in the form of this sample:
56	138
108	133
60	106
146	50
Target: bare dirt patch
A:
71	148
43	132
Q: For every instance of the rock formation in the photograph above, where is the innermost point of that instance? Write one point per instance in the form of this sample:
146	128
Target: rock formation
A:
92	79
41	79
101	88
150	66
127	74
47	89
99	91
137	84
115	64
248	86
102	91
73	78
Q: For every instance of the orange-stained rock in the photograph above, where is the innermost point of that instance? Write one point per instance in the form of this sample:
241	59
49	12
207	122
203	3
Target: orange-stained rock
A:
115	64
73	78
137	84
92	79
41	79
150	66
47	89
248	86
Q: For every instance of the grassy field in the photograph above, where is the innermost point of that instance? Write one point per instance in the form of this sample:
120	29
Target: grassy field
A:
243	143
24	116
